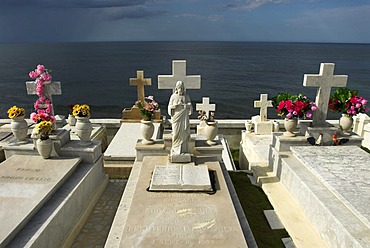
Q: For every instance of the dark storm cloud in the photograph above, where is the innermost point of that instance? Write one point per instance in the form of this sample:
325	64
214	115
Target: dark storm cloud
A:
70	3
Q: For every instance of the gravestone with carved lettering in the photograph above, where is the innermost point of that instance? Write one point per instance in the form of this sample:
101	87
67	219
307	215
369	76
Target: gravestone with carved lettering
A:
263	125
133	114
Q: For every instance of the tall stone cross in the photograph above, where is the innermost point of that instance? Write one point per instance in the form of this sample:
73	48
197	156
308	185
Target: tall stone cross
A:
140	82
325	80
205	106
263	104
50	89
178	74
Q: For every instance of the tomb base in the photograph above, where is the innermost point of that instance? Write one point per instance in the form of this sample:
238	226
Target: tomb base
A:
180	158
133	115
317	178
263	128
327	134
57	222
176	219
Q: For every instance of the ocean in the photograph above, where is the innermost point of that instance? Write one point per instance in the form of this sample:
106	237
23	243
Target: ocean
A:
234	74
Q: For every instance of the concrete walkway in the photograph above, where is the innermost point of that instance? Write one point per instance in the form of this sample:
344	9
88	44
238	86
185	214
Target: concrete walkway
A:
95	231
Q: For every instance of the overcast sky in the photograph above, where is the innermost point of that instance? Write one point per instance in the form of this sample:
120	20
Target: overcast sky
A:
196	20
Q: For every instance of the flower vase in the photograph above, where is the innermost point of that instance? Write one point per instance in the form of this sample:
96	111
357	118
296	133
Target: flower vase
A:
19	128
44	147
210	131
345	123
147	130
248	126
71	120
83	128
290	125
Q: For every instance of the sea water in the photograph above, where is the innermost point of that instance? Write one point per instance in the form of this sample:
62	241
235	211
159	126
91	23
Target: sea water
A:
233	74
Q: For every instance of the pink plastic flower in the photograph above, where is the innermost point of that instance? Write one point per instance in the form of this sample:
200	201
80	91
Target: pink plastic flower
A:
308	115
33	74
289	115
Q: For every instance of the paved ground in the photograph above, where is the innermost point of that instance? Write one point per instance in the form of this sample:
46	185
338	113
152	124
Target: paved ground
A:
96	229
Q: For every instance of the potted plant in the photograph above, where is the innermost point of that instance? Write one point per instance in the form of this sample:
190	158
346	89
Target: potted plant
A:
18	125
43	143
211	128
293	107
347	102
147	109
83	124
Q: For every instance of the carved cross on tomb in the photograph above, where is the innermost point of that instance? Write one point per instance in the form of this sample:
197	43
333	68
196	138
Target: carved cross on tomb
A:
50	89
263	104
140	82
178	74
325	80
205	106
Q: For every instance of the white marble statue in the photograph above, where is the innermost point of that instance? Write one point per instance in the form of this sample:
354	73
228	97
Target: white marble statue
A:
180	108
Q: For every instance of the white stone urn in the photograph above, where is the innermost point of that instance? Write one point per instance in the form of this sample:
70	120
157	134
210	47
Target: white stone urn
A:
83	128
44	147
210	131
345	123
290	125
19	128
71	120
147	131
248	126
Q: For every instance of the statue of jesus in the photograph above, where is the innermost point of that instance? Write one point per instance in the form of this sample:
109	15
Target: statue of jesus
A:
180	108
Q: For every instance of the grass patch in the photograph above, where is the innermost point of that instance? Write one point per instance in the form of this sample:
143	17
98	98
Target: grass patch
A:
254	201
235	155
365	149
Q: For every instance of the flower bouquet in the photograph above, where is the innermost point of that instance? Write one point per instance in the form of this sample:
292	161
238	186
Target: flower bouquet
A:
43	129
147	108
203	117
41	115
81	110
347	102
15	112
293	106
18	124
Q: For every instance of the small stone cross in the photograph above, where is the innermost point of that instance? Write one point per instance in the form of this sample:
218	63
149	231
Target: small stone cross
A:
263	104
50	89
140	82
205	106
178	74
325	80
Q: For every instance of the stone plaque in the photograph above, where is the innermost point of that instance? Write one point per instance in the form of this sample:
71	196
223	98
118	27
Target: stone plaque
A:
180	178
26	183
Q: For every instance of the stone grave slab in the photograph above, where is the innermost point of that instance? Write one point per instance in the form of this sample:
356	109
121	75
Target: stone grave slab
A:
4	135
122	147
26	183
186	177
175	219
273	219
344	170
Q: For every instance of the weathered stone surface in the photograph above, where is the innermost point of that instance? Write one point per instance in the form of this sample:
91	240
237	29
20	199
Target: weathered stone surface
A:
26	183
344	170
175	219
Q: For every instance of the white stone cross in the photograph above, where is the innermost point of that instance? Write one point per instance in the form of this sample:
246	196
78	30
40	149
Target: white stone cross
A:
325	80
52	88
263	104
140	82
178	74
205	106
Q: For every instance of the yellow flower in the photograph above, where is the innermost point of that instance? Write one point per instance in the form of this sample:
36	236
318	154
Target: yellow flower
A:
15	111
